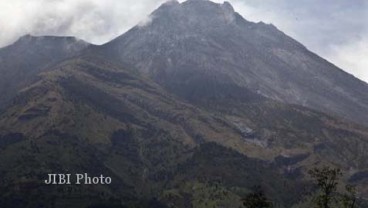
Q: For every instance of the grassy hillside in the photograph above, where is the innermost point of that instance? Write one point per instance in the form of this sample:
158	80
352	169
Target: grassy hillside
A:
89	115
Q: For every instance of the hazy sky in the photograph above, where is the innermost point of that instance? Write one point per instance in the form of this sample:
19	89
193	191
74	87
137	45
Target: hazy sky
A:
335	29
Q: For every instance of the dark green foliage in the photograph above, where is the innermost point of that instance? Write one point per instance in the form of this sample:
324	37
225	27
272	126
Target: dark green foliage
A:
257	199
100	100
90	117
154	203
349	199
326	179
214	163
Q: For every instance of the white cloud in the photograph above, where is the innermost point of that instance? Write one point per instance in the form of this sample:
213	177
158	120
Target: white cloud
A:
93	20
352	57
335	29
146	21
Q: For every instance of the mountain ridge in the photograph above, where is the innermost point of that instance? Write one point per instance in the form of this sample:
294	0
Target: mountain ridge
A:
125	125
88	107
33	55
186	111
174	47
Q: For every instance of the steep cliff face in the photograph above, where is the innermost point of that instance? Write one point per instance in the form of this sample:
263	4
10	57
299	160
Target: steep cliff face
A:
200	49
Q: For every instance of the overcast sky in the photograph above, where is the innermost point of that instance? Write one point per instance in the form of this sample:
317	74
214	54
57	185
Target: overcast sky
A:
335	29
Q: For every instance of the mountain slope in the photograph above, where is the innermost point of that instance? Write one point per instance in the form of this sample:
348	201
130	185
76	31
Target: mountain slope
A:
21	61
88	115
218	105
197	47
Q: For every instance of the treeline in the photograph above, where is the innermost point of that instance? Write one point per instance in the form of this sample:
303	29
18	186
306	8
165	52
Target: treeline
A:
326	195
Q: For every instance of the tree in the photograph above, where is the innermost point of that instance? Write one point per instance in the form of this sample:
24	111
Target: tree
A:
326	179
349	199
257	199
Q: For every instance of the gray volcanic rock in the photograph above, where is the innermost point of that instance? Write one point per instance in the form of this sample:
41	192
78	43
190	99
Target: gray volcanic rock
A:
201	50
21	61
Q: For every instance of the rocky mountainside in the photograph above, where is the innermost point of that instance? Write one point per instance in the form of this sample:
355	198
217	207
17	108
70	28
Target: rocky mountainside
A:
192	109
199	50
21	61
89	115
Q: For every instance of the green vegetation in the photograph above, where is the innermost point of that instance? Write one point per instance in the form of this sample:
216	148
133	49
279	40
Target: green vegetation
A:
327	180
257	199
349	199
91	116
